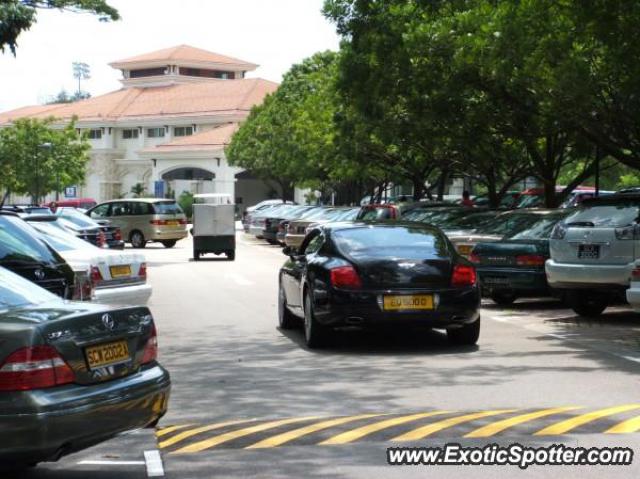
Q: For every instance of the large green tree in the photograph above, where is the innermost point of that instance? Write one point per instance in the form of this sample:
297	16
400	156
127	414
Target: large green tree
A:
36	158
291	138
16	16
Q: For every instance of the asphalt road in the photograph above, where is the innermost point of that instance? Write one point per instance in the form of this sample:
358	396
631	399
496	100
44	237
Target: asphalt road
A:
250	400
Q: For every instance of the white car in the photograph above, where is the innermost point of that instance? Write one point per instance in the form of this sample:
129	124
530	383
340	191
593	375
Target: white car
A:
116	277
633	293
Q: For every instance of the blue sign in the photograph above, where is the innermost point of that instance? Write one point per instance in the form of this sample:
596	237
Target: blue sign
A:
158	188
70	192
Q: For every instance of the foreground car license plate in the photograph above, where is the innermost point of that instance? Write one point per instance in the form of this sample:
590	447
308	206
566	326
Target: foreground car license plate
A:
107	354
412	302
588	251
120	271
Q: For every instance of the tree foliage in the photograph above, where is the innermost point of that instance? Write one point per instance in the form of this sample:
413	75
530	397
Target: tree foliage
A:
36	158
16	16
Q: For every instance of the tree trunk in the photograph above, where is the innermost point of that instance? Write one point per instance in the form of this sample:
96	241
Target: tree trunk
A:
550	197
418	188
494	197
442	184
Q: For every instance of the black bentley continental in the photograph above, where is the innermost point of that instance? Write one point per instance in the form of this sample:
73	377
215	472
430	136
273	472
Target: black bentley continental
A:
377	274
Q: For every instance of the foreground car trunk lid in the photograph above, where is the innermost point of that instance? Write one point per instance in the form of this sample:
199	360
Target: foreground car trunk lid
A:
97	343
403	271
504	253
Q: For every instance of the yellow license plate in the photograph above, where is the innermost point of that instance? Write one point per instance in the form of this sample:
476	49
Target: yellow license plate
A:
120	271
172	223
408	302
107	354
465	249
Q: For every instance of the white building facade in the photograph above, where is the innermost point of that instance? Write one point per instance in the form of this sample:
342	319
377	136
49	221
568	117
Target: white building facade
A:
165	131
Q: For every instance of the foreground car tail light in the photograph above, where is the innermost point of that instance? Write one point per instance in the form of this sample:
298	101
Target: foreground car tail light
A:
463	275
530	260
96	276
183	222
345	277
635	273
35	367
142	272
158	222
151	348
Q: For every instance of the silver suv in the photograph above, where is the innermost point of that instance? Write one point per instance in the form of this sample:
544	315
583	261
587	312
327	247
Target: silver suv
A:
593	250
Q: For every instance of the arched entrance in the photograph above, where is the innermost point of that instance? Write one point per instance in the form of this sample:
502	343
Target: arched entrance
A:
191	179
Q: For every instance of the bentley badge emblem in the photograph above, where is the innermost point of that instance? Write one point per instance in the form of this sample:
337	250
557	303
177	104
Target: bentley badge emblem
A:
108	321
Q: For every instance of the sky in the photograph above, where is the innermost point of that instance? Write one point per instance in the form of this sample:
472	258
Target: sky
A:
272	33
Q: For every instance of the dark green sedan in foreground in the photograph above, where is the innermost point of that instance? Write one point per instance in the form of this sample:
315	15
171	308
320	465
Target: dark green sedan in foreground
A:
72	374
514	267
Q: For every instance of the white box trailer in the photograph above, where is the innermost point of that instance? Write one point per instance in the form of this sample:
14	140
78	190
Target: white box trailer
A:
214	225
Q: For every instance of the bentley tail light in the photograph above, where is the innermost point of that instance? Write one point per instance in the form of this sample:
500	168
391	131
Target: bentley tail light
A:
345	277
35	367
96	276
463	275
142	272
82	287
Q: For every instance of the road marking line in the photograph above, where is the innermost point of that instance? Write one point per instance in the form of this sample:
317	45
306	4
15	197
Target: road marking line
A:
229	436
168	430
429	429
153	461
570	424
303	431
111	463
355	434
192	432
499	426
625	427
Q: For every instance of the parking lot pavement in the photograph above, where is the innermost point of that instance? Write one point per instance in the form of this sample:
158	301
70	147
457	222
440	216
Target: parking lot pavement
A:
250	400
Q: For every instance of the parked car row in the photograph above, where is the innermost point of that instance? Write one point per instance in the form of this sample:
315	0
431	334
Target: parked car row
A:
76	340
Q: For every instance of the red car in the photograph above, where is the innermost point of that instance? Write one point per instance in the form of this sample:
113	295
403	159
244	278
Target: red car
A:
379	212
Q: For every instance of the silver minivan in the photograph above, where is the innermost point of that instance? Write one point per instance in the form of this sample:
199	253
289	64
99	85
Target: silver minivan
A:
144	219
593	251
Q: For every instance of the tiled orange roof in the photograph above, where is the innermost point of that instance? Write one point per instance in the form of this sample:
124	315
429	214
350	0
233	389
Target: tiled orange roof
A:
182	53
206	140
221	97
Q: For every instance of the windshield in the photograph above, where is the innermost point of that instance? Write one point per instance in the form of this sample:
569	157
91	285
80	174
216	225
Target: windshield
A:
602	214
391	241
539	230
18	241
530	201
167	208
77	218
509	224
470	221
15	292
60	240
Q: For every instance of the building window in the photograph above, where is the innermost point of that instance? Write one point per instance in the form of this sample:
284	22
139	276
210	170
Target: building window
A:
148	72
183	131
200	72
130	134
155	132
95	134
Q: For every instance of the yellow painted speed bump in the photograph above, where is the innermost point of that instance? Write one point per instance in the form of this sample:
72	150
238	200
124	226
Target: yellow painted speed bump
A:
199	430
230	436
429	429
499	426
570	424
625	427
355	434
303	431
169	429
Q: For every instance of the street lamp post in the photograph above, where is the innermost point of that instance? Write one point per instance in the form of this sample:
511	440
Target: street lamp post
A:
45	146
